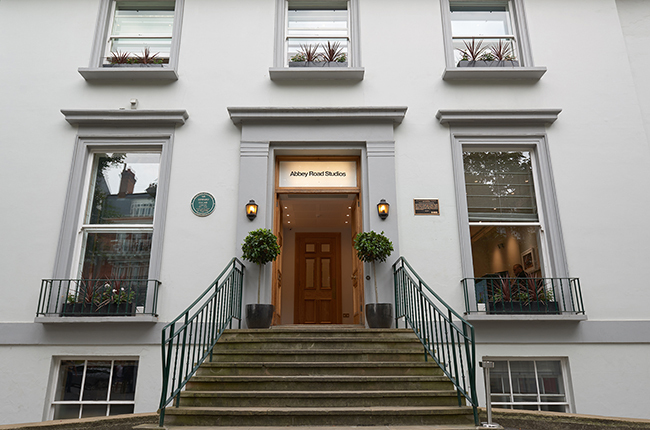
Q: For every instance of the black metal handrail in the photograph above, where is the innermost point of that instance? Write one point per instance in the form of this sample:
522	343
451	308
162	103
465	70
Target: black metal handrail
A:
190	338
97	297
495	295
445	335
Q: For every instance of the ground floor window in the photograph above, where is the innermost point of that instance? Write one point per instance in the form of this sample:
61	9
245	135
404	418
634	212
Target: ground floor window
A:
530	384
95	388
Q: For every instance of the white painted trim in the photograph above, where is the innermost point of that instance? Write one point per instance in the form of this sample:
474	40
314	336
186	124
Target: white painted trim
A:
316	73
493	73
155	131
512	129
124	117
239	115
490	118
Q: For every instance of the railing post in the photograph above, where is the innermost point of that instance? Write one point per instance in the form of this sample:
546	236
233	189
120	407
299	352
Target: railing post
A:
487	365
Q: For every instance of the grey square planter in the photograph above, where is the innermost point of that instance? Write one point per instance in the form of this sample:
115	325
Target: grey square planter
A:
481	63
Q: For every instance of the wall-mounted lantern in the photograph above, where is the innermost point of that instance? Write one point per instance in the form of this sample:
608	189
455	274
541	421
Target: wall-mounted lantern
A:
382	209
251	210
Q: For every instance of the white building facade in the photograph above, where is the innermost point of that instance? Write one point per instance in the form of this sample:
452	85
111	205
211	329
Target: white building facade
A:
131	153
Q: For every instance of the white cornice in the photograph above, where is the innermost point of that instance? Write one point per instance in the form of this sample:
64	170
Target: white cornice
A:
99	117
498	117
394	114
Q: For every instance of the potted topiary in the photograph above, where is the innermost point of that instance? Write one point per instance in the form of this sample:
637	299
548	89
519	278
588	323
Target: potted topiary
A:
372	247
260	247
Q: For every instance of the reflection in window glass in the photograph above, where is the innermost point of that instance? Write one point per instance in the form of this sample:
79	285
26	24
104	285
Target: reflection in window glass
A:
536	385
116	255
138	25
316	26
124	188
500	186
98	374
101	382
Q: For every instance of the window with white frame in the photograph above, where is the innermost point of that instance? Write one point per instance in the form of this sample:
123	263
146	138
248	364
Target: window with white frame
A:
116	239
502	209
138	28
317	33
136	39
483	31
538	384
487	38
94	387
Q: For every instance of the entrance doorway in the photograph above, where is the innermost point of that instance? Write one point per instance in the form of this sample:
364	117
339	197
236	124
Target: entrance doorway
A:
317	278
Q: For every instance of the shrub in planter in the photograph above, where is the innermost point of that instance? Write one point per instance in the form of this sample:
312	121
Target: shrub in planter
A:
260	247
372	247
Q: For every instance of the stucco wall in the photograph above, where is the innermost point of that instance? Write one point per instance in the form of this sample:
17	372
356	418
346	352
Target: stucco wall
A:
599	153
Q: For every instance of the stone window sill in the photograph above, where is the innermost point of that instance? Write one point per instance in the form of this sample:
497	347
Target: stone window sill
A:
316	73
493	73
128	74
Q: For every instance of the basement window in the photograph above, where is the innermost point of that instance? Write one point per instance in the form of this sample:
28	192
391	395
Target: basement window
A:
94	388
530	384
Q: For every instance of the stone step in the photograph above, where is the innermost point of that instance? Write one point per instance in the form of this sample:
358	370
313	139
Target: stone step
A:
316	342
276	332
368	427
319	368
317	383
346	416
327	355
303	399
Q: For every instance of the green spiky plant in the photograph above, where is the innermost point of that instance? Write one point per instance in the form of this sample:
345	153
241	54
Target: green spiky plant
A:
372	247
260	247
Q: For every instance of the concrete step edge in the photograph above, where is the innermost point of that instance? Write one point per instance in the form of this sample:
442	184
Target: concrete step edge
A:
312	394
316	364
370	410
317	378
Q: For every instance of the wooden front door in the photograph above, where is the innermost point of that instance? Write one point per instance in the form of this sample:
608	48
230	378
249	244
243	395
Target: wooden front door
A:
318	273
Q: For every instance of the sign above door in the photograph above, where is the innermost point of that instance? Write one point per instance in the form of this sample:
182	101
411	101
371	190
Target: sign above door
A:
317	174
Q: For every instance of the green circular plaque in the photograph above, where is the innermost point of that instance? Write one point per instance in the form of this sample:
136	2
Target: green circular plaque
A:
203	204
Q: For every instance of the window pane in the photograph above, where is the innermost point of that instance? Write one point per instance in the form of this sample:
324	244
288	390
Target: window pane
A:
116	255
480	20
97	377
123	384
121	409
496	250
93	411
523	378
124	189
70	377
499	380
499	186
550	379
65	412
315	27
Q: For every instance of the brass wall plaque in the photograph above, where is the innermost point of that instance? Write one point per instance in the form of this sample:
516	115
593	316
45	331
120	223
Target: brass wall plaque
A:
426	206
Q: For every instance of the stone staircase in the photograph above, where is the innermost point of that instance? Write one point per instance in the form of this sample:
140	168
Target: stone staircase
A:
320	376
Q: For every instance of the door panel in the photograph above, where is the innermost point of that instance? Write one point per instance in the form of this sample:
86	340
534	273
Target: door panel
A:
276	292
318	271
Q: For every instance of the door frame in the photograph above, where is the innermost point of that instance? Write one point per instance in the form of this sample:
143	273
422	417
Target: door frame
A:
276	292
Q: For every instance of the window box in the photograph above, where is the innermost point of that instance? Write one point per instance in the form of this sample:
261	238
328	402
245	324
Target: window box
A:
318	64
135	65
481	63
516	307
95	310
